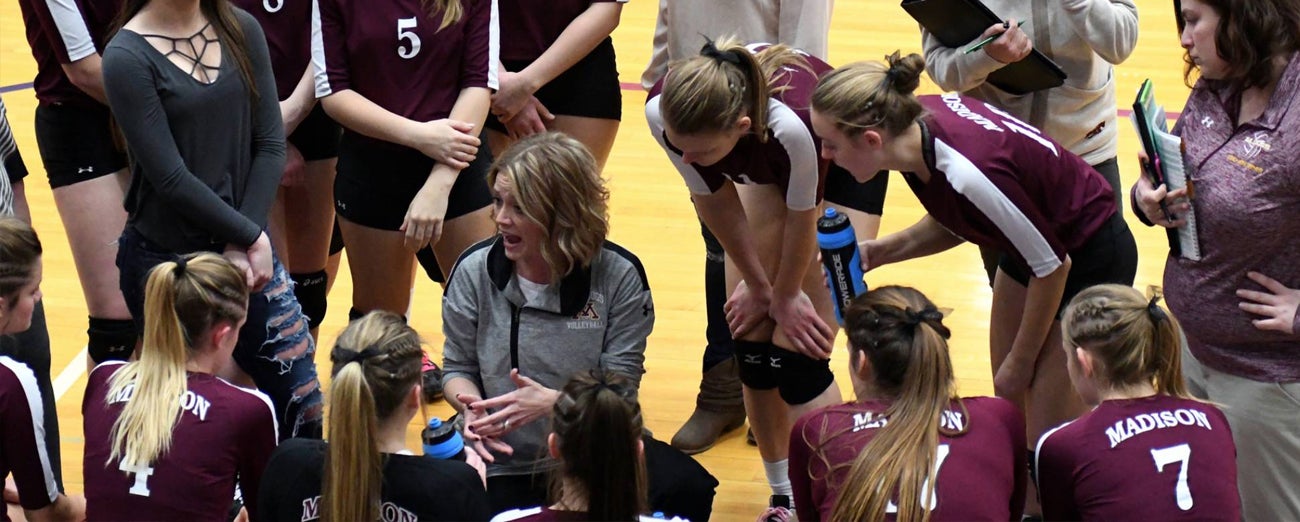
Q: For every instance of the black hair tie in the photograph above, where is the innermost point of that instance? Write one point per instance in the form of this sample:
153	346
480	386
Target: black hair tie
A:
345	356
181	263
711	50
1153	309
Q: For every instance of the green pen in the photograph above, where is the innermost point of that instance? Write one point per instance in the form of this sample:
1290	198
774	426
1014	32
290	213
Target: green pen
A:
980	45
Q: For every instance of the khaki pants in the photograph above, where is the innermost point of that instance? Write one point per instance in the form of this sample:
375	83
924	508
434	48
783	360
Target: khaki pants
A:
1265	422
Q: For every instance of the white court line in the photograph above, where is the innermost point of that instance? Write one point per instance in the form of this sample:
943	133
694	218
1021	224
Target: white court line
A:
73	371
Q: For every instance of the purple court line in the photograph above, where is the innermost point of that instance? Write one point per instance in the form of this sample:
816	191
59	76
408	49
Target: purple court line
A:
15	87
627	86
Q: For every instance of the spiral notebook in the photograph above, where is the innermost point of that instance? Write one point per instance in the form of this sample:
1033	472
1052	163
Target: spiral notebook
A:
957	23
1165	153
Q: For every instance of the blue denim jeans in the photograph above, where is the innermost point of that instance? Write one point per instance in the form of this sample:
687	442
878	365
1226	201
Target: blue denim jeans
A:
275	347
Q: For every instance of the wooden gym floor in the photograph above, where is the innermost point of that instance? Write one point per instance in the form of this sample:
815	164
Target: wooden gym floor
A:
649	205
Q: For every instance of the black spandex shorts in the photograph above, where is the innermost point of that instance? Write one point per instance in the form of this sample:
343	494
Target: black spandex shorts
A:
589	89
377	181
317	137
842	189
1110	256
76	143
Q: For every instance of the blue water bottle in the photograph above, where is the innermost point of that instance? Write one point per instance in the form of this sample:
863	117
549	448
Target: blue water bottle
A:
840	259
442	441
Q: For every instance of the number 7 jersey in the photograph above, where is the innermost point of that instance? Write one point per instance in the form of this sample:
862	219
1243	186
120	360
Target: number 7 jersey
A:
1151	458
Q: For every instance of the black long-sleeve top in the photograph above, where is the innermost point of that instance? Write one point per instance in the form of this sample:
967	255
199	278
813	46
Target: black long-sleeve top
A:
206	159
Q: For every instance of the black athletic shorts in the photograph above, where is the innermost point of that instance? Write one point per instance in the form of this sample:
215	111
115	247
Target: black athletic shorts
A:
589	89
1110	256
842	189
317	137
76	143
377	181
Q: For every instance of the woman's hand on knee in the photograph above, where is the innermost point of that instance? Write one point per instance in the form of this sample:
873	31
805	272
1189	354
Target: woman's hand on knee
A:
798	320
747	308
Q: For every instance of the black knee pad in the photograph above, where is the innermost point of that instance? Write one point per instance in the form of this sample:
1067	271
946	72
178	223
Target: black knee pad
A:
111	339
755	369
310	290
799	377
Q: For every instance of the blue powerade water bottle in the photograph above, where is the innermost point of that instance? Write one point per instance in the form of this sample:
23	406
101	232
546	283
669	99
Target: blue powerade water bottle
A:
442	441
840	259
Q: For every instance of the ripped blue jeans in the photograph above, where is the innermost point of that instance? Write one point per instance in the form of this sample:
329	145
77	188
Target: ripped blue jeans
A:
275	347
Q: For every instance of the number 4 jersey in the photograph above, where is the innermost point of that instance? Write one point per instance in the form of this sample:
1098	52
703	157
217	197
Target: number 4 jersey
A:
981	472
223	431
1152	458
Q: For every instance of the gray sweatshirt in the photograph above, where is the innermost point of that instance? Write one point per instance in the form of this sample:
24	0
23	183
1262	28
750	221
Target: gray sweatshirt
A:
1085	37
598	317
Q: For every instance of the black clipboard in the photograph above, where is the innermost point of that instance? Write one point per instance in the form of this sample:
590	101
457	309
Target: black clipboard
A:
957	23
1142	103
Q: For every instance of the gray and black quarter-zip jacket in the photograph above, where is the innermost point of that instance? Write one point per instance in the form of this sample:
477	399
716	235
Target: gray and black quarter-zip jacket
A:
595	317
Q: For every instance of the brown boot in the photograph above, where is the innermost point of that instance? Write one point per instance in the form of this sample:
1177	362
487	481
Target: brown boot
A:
719	408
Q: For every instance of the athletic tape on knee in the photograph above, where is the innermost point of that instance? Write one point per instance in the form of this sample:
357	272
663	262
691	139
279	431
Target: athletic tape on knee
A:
310	289
799	377
755	371
110	339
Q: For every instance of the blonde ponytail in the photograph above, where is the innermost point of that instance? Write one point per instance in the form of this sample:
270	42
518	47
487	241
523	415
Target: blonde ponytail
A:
1134	339
865	95
710	92
376	363
183	301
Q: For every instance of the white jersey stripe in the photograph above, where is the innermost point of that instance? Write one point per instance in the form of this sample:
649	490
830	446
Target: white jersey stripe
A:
694	181
976	187
791	133
270	409
318	53
33	394
1038	448
494	48
72	28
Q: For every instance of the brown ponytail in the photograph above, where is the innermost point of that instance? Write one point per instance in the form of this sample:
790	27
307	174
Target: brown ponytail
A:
902	334
598	423
866	95
376	362
1133	338
710	92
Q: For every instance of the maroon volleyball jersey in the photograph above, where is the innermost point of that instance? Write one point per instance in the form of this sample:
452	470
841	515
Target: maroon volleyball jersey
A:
1154	458
998	182
531	26
287	25
392	53
22	437
225	435
61	32
788	159
981	473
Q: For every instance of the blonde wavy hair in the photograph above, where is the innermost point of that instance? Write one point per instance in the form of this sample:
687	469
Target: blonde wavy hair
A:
558	185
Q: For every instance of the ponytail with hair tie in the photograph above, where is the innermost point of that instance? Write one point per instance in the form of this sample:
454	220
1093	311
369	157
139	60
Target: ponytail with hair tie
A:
179	269
710	50
342	355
